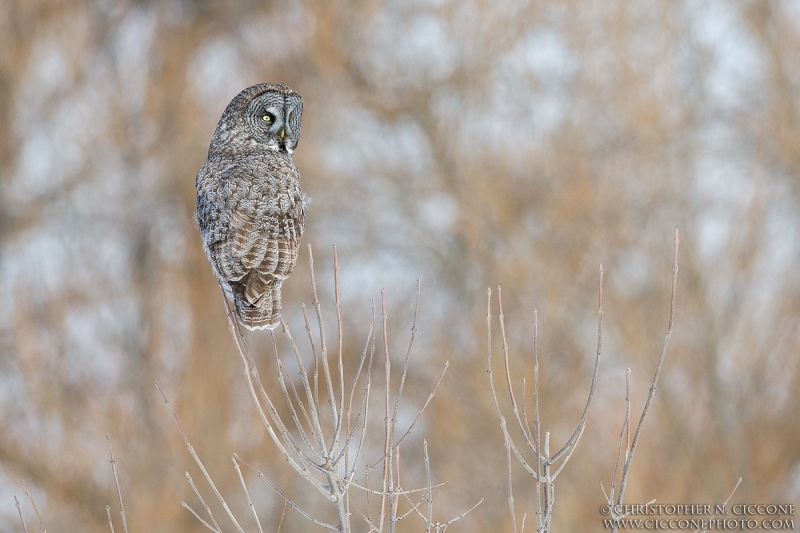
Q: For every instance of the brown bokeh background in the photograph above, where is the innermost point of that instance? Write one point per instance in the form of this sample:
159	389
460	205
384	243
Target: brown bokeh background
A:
467	143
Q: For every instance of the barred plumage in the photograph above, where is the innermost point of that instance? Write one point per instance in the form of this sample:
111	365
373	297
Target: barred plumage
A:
250	208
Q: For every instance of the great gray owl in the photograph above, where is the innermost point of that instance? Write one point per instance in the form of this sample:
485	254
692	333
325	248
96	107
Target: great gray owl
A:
250	208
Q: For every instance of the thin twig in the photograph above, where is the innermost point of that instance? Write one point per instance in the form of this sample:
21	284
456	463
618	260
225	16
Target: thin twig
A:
282	495
294	457
346	447
637	434
387	450
425	405
429	519
202	501
35	510
283	515
282	372
542	473
549	488
414	506
197	516
411	427
300	404
520	425
624	436
395	499
465	513
199	462
323	346
288	447
116	483
537	424
21	518
568	456
497	410
397	491
314	354
506	441
317	424
247	493
408	355
573	441
724	504
365	399
339	362
110	522
366	517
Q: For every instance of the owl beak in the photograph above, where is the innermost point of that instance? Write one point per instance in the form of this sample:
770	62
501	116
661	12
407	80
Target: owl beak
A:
283	132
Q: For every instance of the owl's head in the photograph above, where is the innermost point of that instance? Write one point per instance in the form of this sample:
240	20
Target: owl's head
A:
274	117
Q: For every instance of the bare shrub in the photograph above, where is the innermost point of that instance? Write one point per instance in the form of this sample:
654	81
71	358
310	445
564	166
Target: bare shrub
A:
327	450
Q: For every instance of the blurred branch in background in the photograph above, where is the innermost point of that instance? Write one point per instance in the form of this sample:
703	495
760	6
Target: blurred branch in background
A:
471	144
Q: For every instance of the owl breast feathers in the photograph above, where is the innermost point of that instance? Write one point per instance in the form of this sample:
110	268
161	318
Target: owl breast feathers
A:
250	208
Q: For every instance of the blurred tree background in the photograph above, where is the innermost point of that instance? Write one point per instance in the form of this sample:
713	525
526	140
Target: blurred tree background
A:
468	143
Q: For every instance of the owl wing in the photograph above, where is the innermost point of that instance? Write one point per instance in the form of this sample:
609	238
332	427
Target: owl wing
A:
251	227
255	257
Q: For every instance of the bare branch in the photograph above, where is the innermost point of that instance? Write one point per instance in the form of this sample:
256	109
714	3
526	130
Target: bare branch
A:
21	518
364	403
312	402
408	355
429	519
528	439
569	454
282	495
247	494
339	363
119	492
500	418
308	454
545	487
365	517
724	504
646	409
411	427
315	400
397	490
283	515
281	372
365	397
465	513
506	442
525	414
335	420
209	526
199	463
425	405
203	502
573	441
537	425
414	506
292	455
387	450
35	510
313	420
110	522
624	436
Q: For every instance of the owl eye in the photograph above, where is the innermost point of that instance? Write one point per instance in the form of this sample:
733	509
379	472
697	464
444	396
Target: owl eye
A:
266	118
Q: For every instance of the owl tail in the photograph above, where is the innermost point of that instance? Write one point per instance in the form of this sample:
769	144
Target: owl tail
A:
263	312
